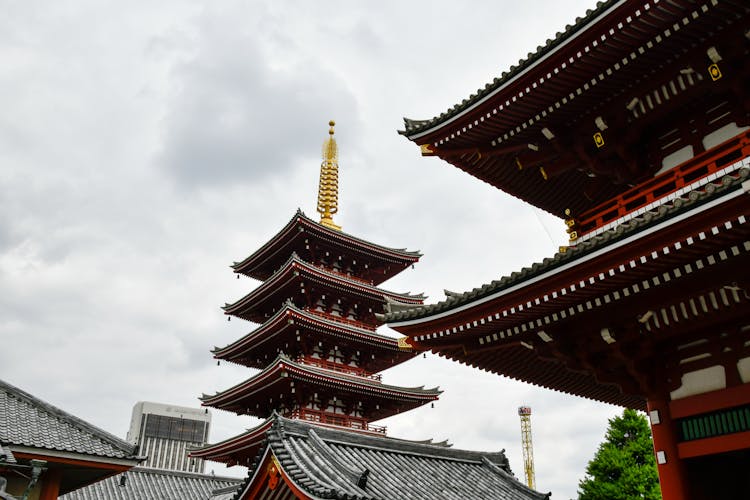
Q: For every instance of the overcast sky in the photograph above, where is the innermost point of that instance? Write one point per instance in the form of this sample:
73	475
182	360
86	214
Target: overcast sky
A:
145	146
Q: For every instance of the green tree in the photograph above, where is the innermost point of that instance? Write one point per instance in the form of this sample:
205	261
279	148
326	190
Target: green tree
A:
624	467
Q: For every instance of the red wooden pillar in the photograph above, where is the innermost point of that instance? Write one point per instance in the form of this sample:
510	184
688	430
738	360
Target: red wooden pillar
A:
50	484
672	475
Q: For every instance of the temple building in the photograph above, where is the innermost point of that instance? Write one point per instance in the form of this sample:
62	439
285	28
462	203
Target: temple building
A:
319	387
46	452
632	125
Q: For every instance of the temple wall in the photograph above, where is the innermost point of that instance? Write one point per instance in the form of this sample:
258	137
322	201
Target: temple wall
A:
706	380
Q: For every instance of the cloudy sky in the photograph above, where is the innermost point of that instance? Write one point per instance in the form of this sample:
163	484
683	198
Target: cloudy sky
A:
145	146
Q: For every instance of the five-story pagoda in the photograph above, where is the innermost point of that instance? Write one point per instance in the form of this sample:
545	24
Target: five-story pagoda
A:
317	347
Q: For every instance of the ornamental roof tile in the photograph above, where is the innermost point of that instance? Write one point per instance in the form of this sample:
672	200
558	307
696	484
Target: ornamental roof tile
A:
30	422
667	210
413	127
147	483
332	463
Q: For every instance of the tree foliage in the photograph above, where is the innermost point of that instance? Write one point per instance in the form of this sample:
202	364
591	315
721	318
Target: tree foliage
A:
624	467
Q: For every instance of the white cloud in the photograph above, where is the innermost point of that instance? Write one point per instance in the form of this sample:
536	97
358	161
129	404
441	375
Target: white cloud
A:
145	146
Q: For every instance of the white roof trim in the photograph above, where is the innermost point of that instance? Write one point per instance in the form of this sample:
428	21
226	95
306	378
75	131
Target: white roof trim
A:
569	265
516	77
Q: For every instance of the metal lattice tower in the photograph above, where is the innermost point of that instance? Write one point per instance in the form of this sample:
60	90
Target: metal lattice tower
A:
528	451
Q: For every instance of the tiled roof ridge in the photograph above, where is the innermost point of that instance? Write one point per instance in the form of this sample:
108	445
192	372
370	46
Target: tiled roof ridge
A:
337	478
322	448
180	473
668	209
68	418
147	483
349	438
299	214
300	449
416	126
515	483
290	460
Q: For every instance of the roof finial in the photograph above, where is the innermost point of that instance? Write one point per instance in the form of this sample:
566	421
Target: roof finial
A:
328	188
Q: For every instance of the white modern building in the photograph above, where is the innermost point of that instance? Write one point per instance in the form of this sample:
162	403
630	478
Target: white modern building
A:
165	433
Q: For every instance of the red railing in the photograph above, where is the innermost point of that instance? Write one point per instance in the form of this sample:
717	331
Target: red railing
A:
326	418
663	185
352	277
338	367
341	319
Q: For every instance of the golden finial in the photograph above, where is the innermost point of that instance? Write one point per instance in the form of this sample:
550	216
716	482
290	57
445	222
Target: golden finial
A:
328	188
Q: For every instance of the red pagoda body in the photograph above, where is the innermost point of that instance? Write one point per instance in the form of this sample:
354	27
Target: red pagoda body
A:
633	126
316	345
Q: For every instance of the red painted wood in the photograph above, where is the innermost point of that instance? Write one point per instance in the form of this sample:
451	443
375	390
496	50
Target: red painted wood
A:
663	185
72	461
714	445
50	484
672	476
710	401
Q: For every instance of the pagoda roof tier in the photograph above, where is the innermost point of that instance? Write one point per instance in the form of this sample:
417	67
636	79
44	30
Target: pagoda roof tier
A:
237	450
629	71
287	283
577	322
281	381
316	462
376	262
289	324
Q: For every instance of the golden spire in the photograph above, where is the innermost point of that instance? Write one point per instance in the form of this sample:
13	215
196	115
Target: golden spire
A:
328	188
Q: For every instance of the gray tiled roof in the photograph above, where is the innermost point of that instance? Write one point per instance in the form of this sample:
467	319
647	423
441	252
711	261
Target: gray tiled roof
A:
144	483
667	210
6	456
226	493
332	463
416	126
30	422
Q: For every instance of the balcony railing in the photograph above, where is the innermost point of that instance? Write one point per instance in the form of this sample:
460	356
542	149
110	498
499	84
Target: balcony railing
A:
339	367
326	418
341	319
686	174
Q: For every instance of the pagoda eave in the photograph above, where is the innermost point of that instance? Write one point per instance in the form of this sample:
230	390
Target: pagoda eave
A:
386	262
287	326
293	276
236	450
284	376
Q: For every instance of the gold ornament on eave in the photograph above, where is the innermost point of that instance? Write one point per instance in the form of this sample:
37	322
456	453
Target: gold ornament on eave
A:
328	188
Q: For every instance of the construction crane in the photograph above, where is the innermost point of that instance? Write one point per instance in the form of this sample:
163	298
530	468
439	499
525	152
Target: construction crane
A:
528	451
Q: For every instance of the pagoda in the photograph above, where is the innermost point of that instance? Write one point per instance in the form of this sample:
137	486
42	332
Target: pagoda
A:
317	345
632	125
